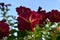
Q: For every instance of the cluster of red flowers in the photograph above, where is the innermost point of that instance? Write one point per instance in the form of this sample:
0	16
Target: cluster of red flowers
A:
27	19
4	29
54	16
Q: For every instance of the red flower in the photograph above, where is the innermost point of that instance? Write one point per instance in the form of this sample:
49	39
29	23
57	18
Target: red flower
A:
43	17
4	29
23	10
27	20
54	16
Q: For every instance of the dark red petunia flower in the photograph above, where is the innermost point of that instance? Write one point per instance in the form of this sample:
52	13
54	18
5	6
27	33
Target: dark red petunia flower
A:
4	29
22	10
27	19
43	16
54	16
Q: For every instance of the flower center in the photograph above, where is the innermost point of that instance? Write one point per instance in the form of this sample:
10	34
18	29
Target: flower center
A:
31	20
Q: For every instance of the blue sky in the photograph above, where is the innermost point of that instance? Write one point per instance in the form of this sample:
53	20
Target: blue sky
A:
32	4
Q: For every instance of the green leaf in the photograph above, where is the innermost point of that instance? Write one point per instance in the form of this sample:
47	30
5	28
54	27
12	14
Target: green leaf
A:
15	22
4	14
9	21
2	9
7	9
15	26
11	24
58	38
14	17
12	37
51	23
58	24
38	38
22	33
13	31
